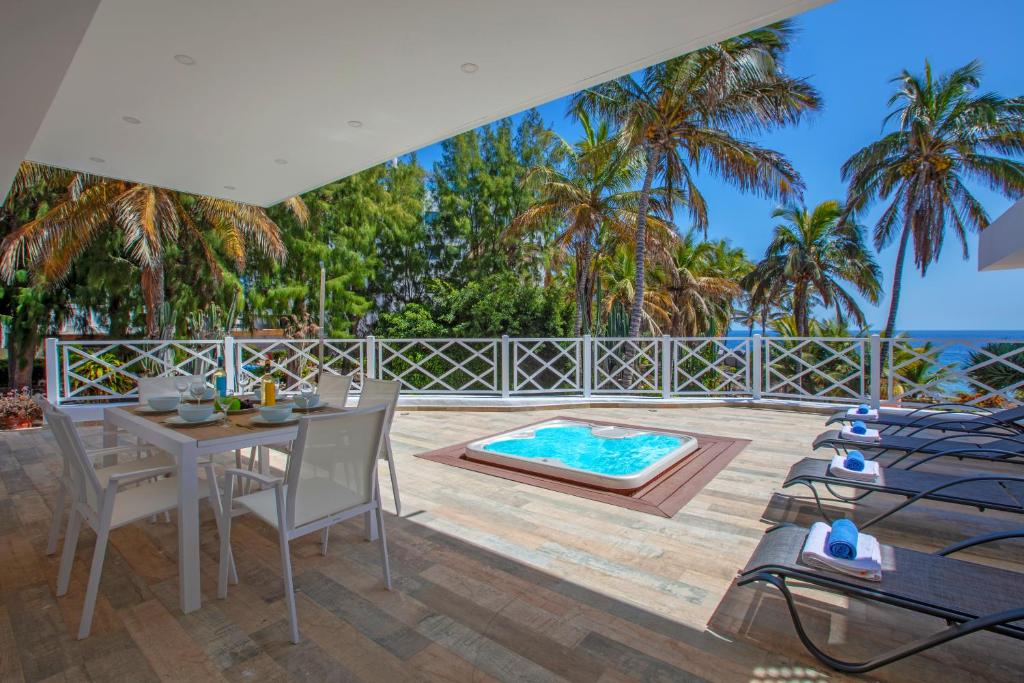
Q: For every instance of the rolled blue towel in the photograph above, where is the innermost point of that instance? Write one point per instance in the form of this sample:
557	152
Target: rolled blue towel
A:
859	427
854	461
863	409
842	540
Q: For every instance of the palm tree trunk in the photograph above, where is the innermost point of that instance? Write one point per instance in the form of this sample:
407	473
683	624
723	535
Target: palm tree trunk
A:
21	353
800	309
897	281
153	298
644	200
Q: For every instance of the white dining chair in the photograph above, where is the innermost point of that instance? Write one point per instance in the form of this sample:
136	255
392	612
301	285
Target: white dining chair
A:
150	387
105	506
147	457
384	392
332	477
334	388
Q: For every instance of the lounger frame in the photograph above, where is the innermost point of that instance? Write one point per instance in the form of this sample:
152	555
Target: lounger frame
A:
959	624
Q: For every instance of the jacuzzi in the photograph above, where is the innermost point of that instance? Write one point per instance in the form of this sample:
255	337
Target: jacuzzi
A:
603	456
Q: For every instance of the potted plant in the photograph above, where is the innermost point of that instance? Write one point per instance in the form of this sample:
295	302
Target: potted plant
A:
18	410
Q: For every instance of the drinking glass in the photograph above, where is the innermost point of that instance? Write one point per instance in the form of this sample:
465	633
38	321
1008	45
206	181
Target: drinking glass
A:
181	383
197	389
306	391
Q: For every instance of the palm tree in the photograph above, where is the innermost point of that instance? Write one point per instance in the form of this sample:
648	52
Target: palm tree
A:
704	284
589	194
149	220
683	117
816	252
948	133
619	283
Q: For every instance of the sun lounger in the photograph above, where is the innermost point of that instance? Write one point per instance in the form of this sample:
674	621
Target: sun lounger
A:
997	447
960	418
970	597
978	490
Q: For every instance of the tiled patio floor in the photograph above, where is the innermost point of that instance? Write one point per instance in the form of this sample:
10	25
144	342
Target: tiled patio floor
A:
495	580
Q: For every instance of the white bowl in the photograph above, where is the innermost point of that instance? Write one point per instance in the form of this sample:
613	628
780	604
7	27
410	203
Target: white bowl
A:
192	412
163	402
306	402
276	413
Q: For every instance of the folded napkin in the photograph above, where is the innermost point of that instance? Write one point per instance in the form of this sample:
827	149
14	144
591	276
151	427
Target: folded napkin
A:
853	433
863	412
838	468
866	563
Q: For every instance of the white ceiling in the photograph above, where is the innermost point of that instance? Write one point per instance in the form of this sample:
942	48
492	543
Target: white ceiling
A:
281	80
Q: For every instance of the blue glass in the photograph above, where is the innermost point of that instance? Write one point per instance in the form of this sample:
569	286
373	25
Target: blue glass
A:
578	448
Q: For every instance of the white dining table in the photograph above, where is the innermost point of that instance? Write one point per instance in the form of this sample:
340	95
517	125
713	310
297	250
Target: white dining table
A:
187	449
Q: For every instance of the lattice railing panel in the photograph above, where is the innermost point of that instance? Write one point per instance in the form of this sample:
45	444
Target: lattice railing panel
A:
627	365
441	365
827	369
294	361
986	372
98	371
711	366
546	365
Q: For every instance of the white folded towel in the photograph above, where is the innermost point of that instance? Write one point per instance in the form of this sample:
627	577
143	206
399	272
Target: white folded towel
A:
870	436
867	565
838	469
869	416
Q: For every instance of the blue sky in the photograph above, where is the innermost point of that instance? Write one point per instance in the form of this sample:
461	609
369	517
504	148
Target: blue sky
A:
849	50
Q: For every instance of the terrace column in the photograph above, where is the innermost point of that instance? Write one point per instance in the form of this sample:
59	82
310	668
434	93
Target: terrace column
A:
588	349
755	368
876	371
230	371
666	366
371	357
504	366
52	371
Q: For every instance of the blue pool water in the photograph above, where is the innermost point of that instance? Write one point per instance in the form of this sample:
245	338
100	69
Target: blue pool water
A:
577	447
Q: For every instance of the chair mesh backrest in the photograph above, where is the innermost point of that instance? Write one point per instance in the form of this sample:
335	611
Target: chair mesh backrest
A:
77	465
334	388
377	392
333	465
162	386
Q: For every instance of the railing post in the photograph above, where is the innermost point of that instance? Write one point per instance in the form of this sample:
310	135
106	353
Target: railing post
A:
876	371
588	349
230	372
371	356
52	371
505	359
756	371
666	366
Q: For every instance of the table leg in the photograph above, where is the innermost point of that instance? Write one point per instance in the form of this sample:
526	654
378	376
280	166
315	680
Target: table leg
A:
188	530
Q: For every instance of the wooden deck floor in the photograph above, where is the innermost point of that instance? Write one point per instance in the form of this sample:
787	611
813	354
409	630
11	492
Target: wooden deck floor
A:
495	580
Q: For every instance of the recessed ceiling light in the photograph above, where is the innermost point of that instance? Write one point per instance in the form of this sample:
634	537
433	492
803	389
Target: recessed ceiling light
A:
230	187
355	124
282	162
131	119
469	67
184	59
98	160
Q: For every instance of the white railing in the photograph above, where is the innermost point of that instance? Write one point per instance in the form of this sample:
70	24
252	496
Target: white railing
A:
931	369
294	361
834	369
819	368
